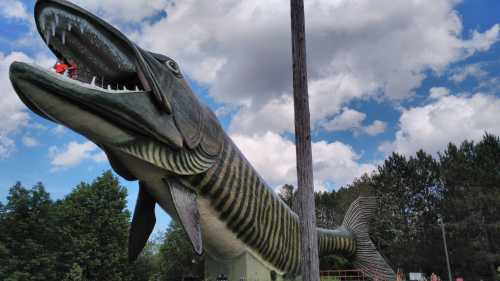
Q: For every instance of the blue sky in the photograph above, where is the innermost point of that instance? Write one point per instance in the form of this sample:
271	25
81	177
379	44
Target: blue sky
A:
384	77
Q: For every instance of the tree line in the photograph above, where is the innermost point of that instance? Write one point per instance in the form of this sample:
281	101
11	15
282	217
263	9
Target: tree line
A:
83	237
460	184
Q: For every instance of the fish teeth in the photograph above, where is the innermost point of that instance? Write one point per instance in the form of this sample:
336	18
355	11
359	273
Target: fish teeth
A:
93	81
64	37
56	16
69	27
53	29
47	37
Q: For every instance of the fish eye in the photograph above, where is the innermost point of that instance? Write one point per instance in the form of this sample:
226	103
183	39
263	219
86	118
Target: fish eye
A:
172	65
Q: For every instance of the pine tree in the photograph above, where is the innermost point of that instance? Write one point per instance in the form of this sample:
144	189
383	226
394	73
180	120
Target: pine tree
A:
472	204
405	229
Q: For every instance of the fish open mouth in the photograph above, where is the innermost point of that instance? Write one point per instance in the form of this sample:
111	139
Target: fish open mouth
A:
114	83
101	59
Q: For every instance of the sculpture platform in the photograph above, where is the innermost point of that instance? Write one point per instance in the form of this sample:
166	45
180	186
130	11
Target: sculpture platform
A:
245	267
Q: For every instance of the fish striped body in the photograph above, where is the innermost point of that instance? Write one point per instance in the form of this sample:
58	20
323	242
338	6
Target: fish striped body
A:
240	212
253	212
185	162
340	240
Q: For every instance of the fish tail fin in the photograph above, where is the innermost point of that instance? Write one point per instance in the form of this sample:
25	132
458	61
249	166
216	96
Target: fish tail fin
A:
367	258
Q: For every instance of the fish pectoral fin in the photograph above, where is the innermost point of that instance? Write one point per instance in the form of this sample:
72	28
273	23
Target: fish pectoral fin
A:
143	223
187	212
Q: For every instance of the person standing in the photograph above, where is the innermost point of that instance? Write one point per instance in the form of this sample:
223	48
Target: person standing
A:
72	70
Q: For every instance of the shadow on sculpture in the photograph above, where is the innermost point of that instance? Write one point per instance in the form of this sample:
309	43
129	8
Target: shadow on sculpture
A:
137	107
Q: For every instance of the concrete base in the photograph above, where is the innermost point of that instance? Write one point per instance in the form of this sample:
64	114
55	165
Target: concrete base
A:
245	267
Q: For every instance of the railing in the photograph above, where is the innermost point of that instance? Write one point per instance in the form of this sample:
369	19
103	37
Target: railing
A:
343	275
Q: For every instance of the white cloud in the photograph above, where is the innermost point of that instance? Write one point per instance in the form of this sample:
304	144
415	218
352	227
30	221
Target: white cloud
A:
38	126
473	70
489	85
347	120
59	130
350	119
356	49
447	119
73	154
100	157
12	111
376	128
275	116
6	146
29	141
13	9
120	10
438	92
482	41
274	158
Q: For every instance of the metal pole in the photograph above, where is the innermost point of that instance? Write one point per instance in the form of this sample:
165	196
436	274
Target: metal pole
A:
440	220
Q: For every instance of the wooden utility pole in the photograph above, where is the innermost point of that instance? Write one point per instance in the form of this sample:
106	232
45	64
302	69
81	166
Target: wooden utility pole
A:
308	233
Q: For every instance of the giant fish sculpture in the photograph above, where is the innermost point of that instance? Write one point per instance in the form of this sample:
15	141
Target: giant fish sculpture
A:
137	106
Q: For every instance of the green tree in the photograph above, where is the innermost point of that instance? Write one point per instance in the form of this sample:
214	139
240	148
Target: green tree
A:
3	249
75	274
94	223
28	242
287	194
361	186
326	215
471	206
405	227
177	258
147	265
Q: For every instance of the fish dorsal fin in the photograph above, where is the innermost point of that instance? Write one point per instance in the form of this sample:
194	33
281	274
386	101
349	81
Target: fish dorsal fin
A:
142	224
187	212
180	162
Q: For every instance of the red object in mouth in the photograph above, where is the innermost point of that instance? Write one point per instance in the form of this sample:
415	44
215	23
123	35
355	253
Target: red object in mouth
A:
60	67
63	68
